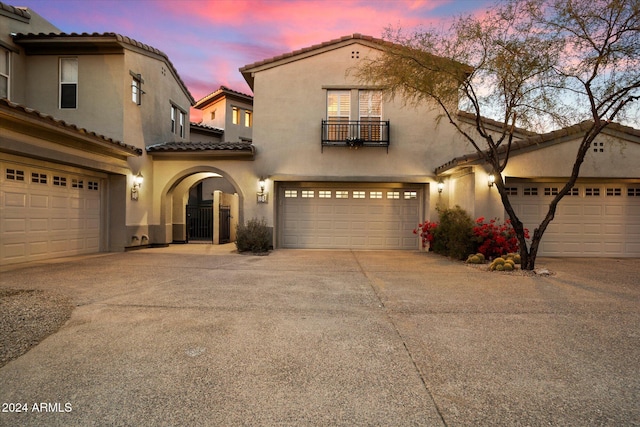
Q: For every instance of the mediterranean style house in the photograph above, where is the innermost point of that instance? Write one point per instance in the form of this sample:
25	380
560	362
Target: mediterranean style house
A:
98	153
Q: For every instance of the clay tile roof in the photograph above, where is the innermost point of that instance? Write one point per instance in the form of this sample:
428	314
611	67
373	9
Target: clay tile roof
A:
205	127
222	91
536	141
355	36
191	147
45	118
106	36
21	12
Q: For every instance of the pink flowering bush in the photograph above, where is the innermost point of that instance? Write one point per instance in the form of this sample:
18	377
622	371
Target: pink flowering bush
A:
426	232
496	239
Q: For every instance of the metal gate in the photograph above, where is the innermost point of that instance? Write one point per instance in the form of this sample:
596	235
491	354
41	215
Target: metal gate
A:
200	223
225	224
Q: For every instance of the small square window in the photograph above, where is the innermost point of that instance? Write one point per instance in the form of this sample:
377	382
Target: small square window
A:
59	181
375	194
614	191
308	194
324	194
591	192
77	183
359	195
38	178
393	195
551	191
410	195
92	185
633	192
530	191
290	193
511	191
340	194
573	192
15	175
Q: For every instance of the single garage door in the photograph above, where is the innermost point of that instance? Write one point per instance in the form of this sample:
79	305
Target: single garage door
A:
47	213
351	216
595	220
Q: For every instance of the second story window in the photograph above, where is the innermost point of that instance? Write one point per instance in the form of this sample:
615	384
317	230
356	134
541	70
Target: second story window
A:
235	116
178	121
248	119
136	88
68	82
370	114
5	66
338	113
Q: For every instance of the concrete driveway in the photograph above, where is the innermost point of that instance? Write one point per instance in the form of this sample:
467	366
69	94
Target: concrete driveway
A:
199	335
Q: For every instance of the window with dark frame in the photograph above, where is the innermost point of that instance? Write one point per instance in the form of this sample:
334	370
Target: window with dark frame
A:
5	67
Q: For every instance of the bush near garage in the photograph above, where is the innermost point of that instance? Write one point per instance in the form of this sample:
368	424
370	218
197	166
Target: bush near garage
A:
452	236
253	237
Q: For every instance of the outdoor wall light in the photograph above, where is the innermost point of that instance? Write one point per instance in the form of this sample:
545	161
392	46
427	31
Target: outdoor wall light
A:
137	183
262	196
492	180
440	186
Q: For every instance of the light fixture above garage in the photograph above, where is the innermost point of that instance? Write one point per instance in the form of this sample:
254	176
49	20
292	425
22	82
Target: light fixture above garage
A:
491	180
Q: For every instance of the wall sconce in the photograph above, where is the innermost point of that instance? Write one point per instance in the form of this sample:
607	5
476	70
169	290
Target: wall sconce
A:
262	196
137	183
491	180
440	186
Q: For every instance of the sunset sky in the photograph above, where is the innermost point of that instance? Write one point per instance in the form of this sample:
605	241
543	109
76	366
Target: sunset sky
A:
209	40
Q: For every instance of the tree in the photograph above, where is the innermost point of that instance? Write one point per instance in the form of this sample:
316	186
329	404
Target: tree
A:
527	64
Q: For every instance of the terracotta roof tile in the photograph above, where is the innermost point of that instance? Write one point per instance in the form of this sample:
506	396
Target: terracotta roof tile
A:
45	118
201	146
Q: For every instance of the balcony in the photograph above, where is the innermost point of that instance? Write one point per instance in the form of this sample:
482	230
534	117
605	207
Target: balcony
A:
355	133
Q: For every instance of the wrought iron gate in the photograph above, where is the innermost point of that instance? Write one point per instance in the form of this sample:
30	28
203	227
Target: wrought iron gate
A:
200	223
225	224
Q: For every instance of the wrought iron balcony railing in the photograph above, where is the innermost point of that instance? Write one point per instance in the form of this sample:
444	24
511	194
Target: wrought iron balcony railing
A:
355	133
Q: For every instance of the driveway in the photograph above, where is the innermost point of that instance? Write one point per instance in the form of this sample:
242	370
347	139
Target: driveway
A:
199	335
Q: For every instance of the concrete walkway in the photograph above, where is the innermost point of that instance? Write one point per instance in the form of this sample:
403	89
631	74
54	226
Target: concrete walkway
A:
198	335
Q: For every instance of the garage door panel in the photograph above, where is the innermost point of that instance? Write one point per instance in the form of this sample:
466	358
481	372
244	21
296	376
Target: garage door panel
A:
37	201
15	200
14	225
360	218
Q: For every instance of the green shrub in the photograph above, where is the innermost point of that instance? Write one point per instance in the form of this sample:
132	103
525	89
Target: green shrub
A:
255	236
454	235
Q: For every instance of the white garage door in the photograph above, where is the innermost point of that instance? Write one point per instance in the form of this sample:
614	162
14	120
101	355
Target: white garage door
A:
47	213
596	220
348	217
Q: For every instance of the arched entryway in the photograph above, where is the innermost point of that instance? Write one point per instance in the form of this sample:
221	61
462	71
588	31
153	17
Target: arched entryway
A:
196	188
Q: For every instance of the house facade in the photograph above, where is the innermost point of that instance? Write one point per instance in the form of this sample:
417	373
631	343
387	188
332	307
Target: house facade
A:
97	153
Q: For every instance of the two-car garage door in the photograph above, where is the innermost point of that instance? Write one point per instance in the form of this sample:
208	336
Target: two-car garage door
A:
349	216
48	212
595	220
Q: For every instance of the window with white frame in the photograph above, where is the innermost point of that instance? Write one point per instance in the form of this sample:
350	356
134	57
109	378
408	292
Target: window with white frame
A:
136	88
338	114
5	67
68	82
178	123
370	112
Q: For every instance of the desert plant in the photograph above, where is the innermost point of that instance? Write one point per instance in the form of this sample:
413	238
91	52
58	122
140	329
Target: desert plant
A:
255	236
